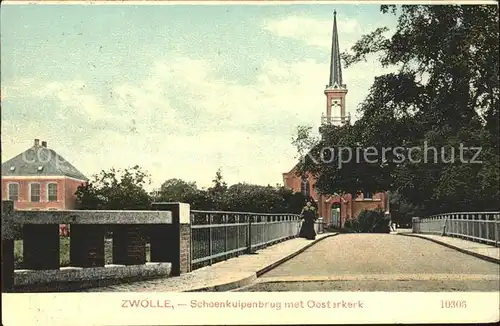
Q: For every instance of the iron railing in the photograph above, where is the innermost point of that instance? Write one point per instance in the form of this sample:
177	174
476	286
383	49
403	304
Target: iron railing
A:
334	120
475	226
219	235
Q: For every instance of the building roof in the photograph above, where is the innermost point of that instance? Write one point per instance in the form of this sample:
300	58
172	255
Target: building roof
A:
40	161
293	170
335	64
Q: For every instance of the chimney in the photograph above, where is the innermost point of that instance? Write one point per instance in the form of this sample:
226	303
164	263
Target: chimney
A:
44	144
37	142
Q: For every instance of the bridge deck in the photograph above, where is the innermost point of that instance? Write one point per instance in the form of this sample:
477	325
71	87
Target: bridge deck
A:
241	270
346	262
381	262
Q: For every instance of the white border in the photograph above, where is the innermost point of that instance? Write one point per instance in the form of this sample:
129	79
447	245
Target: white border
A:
296	308
234	2
98	308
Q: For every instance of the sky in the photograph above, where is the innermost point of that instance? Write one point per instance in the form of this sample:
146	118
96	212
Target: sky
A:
180	90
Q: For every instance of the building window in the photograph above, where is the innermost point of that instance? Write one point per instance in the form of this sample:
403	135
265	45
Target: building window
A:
367	195
52	192
13	191
305	188
35	192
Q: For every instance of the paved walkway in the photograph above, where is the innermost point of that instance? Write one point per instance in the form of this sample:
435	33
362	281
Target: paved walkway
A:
380	262
223	276
479	250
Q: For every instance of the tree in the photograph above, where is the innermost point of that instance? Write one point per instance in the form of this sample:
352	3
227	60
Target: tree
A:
240	197
244	197
176	190
304	141
116	189
218	190
200	200
293	202
402	212
444	93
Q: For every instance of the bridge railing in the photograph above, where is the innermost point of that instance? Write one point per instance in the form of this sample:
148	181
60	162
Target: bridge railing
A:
38	234
475	226
219	235
184	239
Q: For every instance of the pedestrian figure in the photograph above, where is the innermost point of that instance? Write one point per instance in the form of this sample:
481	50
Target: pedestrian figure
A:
308	216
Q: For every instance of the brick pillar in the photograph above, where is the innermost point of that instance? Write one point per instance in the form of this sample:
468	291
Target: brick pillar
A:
87	245
41	246
172	243
7	258
129	245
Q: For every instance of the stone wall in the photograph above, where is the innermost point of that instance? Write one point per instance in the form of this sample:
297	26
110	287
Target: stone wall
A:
168	230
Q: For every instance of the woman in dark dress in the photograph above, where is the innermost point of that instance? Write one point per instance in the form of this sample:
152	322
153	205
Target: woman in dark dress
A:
309	216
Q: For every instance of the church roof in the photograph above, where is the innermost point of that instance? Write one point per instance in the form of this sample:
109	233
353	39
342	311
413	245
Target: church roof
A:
40	161
291	171
335	64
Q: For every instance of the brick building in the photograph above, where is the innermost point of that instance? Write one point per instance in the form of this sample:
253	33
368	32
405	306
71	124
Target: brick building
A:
335	209
40	179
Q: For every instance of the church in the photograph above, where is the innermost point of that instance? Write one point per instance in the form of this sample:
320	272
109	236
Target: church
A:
335	209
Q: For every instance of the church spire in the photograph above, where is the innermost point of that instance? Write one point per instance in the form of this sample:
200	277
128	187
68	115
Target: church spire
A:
336	90
335	65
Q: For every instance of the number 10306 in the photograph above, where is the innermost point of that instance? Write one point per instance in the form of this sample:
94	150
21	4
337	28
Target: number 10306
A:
453	304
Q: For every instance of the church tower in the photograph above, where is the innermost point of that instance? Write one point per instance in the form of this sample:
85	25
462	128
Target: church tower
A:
334	208
336	90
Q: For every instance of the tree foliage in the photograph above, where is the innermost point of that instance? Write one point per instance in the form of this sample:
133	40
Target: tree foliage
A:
402	211
175	190
178	190
124	189
444	94
245	197
218	190
116	189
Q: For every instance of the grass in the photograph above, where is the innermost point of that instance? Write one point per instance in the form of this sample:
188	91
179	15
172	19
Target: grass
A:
64	253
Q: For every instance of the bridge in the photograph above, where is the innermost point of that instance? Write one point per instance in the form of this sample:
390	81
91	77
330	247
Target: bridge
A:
173	248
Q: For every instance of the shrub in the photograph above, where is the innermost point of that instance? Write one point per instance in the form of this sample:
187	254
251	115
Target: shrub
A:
368	222
351	226
347	230
332	228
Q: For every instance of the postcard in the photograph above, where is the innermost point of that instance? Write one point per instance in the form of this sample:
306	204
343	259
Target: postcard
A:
250	162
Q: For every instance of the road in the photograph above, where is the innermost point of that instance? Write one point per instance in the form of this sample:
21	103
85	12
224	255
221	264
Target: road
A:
380	262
